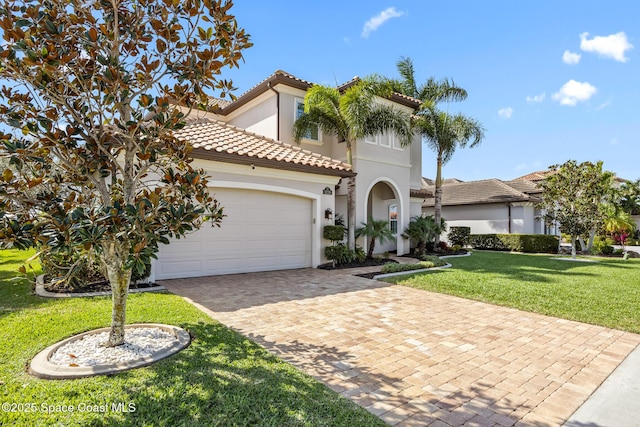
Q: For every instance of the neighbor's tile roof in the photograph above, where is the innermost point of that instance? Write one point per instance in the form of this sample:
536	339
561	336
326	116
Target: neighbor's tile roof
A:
216	140
479	192
535	176
428	182
526	186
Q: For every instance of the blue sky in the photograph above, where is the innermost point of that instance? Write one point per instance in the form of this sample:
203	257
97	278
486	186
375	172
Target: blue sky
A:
549	80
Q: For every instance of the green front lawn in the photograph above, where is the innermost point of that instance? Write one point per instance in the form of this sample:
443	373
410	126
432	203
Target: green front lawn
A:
221	379
605	293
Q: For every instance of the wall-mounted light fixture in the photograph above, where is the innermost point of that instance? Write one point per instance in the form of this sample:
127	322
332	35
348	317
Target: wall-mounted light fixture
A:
328	213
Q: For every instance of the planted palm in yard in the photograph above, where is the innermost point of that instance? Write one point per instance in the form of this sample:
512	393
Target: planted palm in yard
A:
352	115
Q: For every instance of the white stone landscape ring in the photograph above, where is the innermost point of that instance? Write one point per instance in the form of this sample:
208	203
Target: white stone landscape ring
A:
41	367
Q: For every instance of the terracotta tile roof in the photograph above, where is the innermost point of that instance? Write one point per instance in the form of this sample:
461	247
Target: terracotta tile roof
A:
479	192
216	140
535	176
422	193
525	186
218	103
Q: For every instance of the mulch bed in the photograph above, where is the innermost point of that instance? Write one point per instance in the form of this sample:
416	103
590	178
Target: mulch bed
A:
369	262
99	286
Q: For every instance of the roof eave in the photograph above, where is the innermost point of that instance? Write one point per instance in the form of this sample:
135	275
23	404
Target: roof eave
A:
204	154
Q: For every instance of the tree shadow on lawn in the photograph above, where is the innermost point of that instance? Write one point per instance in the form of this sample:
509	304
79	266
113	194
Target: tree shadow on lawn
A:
16	293
223	378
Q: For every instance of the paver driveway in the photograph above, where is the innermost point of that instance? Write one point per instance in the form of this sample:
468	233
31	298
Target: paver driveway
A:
415	357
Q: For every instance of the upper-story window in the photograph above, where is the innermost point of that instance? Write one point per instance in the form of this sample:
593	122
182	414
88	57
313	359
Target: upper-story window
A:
314	133
375	140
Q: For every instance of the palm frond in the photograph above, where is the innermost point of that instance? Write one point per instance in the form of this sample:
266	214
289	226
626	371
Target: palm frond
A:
407	72
442	90
385	118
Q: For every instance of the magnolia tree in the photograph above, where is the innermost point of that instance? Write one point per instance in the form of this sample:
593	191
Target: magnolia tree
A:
89	108
574	197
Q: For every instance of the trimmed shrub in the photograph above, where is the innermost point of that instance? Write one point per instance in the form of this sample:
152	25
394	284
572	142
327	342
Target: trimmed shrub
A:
395	268
601	246
333	232
531	243
433	259
459	235
341	254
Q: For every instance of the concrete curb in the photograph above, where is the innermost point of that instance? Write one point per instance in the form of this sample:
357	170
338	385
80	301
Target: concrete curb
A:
41	367
41	291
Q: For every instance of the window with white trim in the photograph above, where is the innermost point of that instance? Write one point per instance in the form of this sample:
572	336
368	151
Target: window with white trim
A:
314	133
393	218
375	140
385	140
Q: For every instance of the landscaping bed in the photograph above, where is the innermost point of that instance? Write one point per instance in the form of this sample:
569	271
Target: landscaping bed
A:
369	262
100	285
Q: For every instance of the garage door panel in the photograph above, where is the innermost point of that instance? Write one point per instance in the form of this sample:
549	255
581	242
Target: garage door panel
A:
262	231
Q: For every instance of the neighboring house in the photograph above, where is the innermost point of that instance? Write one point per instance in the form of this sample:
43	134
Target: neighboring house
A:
277	195
490	206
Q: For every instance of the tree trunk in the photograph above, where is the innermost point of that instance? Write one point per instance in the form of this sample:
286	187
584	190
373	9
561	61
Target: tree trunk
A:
582	244
351	213
592	236
372	245
437	208
119	279
573	246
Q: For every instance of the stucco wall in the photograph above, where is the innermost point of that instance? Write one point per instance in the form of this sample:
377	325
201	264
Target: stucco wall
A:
261	118
492	218
483	219
396	177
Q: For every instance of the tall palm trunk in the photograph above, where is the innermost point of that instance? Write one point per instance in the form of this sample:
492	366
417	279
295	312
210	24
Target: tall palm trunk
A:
351	203
437	208
351	213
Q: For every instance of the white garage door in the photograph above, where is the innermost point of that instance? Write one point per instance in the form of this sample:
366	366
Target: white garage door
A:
262	231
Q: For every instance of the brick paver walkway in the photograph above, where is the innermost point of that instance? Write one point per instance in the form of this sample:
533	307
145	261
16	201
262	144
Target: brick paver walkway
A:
414	357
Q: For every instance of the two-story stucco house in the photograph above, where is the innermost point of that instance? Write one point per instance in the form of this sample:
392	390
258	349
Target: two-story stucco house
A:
278	195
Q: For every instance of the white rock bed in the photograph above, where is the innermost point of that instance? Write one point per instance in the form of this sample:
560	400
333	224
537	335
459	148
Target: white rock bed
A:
90	350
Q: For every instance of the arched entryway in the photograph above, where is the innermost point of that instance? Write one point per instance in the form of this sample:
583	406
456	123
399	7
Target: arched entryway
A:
384	203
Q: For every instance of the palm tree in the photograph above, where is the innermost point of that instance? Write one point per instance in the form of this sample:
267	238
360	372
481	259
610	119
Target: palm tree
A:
440	130
619	223
350	115
423	230
377	230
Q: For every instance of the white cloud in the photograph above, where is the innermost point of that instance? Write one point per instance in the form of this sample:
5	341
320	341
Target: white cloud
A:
372	24
536	98
520	167
604	105
613	46
573	92
570	57
505	113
